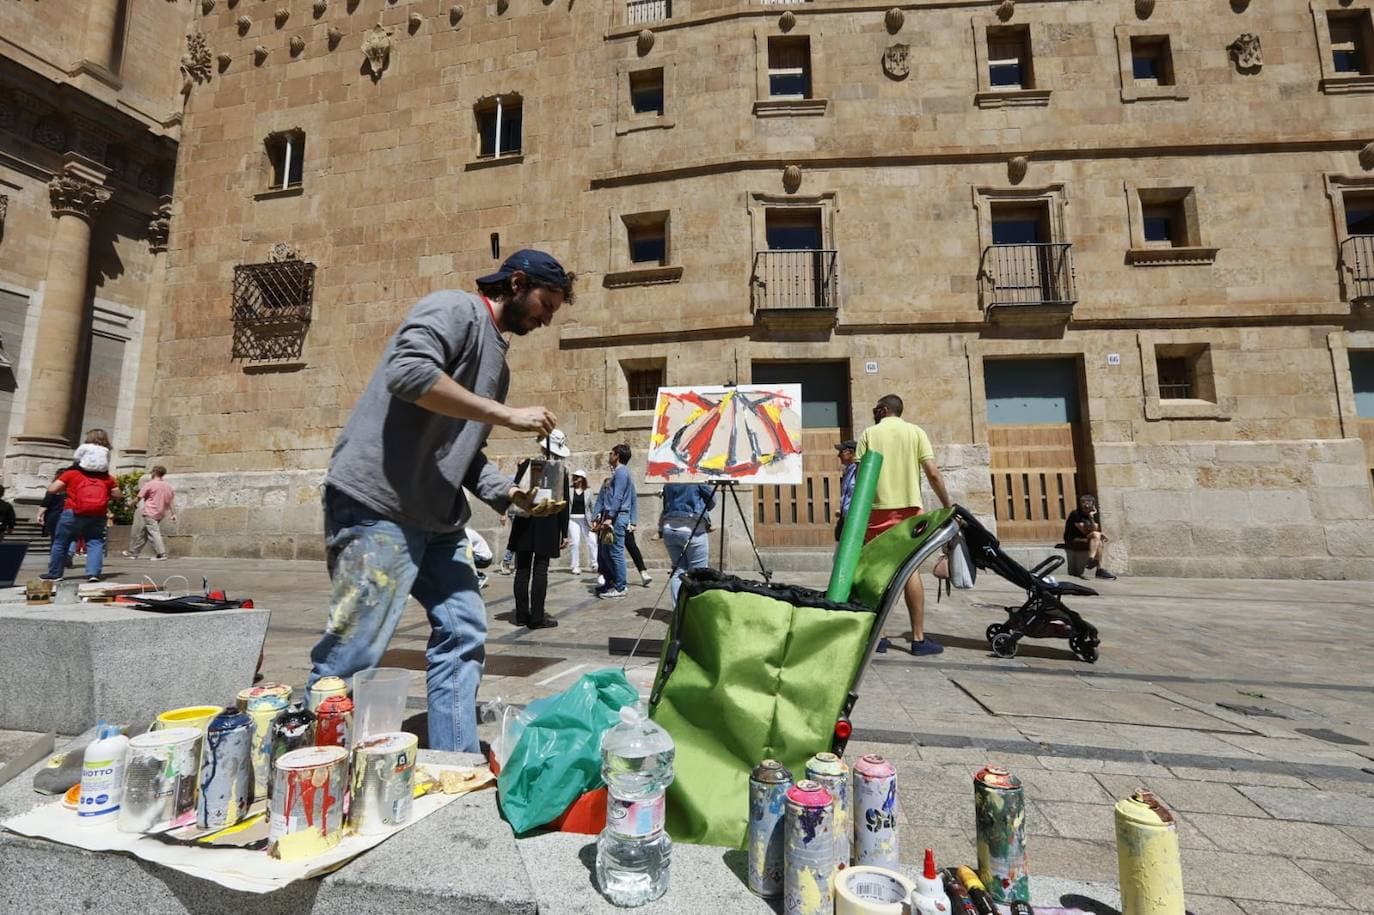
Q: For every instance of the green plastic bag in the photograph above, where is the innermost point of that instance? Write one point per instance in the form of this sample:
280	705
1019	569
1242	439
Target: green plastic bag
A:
558	757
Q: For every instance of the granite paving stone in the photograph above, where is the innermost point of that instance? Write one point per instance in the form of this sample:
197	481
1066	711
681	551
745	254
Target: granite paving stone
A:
1362	834
1074	858
1279	837
1090	765
1340	809
1199	904
1185	796
1079	787
1262	877
1098	822
1238	776
1353	883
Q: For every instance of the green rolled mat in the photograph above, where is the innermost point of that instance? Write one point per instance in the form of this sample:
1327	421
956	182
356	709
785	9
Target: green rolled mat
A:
855	526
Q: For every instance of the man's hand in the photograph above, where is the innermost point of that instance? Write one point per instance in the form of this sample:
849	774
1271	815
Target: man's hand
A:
563	544
532	419
523	499
39	515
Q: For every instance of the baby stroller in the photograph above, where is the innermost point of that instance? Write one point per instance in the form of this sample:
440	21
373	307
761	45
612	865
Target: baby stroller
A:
1043	615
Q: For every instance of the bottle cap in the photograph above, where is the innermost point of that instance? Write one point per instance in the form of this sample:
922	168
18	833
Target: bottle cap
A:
929	872
630	714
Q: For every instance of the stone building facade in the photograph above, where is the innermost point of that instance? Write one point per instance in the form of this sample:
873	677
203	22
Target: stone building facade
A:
90	109
1110	245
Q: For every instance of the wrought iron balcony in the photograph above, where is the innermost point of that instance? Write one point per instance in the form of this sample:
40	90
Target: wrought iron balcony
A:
1030	280
1357	263
639	11
796	279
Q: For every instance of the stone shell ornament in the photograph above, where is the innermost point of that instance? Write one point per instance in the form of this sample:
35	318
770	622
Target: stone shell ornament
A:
893	19
376	50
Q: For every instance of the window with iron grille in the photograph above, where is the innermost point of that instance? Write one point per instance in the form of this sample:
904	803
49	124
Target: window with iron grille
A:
643	384
1184	371
271	309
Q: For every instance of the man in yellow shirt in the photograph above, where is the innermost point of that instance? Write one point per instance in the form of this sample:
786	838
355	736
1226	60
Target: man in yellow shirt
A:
906	453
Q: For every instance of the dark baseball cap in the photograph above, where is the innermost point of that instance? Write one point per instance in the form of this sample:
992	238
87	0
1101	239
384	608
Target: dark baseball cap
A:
537	265
847	445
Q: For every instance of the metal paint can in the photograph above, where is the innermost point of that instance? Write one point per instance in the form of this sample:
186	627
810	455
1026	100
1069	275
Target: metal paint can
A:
999	808
808	851
768	785
334	722
160	780
1148	865
831	773
263	710
322	689
306	813
246	696
292	729
226	770
383	782
876	840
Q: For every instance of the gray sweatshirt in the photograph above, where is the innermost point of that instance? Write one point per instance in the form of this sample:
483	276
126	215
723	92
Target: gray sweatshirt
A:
408	463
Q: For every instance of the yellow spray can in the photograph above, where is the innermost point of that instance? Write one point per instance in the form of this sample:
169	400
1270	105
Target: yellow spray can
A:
1147	857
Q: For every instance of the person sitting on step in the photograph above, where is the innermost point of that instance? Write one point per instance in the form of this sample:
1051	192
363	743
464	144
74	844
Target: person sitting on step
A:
1083	531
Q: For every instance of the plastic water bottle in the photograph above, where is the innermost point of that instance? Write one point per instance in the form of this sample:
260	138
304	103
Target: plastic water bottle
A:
634	852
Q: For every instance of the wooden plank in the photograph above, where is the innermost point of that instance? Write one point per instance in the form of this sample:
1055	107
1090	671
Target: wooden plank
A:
1034	472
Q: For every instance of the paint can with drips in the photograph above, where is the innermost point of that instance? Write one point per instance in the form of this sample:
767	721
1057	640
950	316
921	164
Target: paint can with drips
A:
160	780
334	722
245	696
999	809
808	851
768	785
1148	865
263	710
383	782
226	770
831	773
322	689
292	729
306	813
876	841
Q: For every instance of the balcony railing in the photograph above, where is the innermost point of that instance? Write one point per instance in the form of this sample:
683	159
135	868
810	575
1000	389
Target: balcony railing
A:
1027	275
796	279
1357	260
638	11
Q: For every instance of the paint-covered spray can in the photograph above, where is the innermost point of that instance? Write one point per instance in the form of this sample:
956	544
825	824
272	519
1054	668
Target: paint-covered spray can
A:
334	722
768	785
306	813
160	780
876	841
999	808
263	710
292	729
832	774
1147	857
226	770
245	696
383	782
808	851
322	689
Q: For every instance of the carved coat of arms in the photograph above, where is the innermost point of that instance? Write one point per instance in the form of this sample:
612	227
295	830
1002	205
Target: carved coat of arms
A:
897	61
1246	52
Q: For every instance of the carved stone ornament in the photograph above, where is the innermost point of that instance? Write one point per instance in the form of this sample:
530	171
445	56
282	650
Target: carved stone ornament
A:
281	15
1005	9
415	20
319	7
334	36
377	48
645	42
206	6
259	54
1143	8
1246	53
297	45
224	61
1367	157
160	226
281	251
455	15
1016	169
502	6
893	19
791	178
72	196
195	63
51	134
4	210
787	21
244	23
897	61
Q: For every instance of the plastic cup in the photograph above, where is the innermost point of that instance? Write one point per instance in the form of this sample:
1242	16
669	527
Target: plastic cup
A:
192	716
379	701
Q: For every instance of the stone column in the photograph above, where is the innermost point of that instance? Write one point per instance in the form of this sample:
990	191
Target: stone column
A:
77	196
158	229
98	41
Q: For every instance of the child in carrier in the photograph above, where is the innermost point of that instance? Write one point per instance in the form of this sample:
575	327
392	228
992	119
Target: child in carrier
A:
88	485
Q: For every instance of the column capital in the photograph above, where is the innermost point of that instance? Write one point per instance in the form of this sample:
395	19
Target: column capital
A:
72	196
160	225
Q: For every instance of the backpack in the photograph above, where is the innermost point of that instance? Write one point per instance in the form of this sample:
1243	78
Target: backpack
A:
88	493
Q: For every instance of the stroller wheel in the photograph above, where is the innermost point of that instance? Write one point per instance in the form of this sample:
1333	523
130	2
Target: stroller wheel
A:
993	630
1085	650
1004	645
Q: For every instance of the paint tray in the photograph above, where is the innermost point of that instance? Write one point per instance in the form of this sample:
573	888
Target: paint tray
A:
190	603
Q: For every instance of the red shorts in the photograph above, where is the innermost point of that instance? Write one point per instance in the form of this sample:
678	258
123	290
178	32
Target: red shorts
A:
883	518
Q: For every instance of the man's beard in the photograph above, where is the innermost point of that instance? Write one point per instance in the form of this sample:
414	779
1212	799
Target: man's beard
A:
517	313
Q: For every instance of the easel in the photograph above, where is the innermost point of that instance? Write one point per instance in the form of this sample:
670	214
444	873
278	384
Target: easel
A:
718	489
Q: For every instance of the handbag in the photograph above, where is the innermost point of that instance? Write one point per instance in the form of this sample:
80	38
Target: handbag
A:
605	533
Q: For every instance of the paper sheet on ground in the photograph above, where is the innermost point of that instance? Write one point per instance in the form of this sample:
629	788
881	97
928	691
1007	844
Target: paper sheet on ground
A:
235	868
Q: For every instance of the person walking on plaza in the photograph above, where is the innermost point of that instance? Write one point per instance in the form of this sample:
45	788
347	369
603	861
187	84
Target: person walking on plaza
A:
632	546
536	541
395	510
1083	531
7	518
684	523
580	538
849	472
86	513
906	453
155	502
614	507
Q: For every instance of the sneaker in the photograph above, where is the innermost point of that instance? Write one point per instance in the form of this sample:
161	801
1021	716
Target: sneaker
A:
505	568
611	594
547	622
925	647
47	577
576	571
127	555
1104	574
93	579
883	645
482	582
645	578
601	581
161	558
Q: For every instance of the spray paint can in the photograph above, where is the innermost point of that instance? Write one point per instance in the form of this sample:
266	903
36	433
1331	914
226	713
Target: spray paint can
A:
808	851
245	696
226	771
876	842
831	773
322	689
263	710
383	782
160	780
334	722
768	785
1147	857
999	808
306	813
292	729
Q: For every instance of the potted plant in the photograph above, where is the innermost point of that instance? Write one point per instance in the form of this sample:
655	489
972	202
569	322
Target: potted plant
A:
123	504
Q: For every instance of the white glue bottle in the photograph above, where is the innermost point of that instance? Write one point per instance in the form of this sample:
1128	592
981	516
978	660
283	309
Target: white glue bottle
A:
102	775
929	896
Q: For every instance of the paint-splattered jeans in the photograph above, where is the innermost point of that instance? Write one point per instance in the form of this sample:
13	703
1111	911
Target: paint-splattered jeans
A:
374	565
